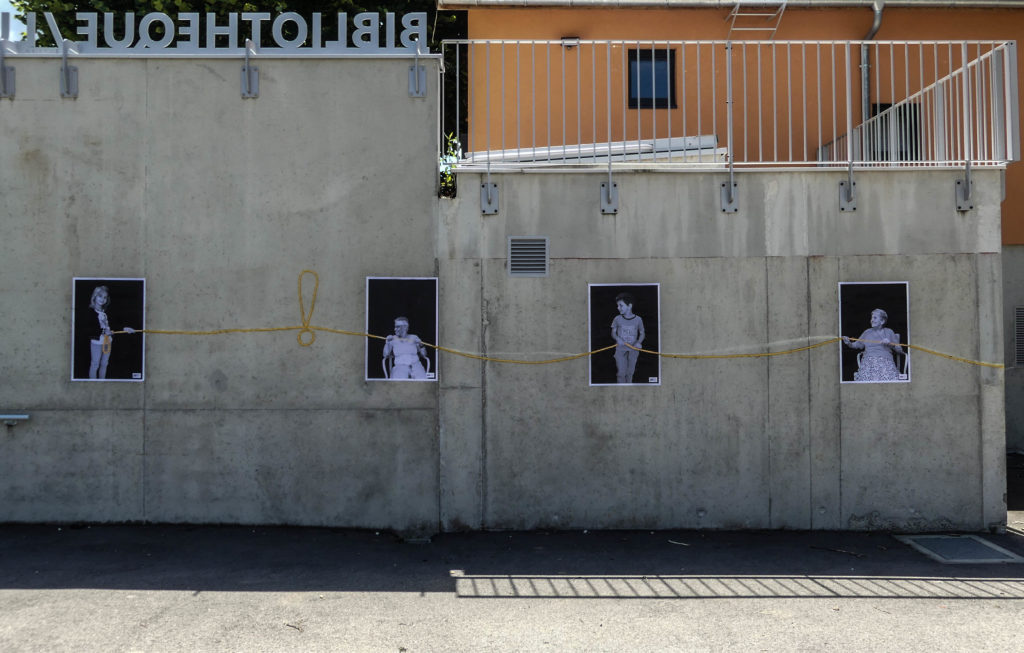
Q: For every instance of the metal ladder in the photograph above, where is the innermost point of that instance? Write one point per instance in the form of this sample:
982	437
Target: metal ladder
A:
760	16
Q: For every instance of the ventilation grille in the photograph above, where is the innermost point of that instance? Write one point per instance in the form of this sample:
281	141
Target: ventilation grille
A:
527	257
1019	336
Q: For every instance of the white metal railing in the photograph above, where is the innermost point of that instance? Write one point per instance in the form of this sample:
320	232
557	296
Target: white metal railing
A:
742	103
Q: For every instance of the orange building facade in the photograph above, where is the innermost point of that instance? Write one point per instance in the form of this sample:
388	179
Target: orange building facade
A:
794	94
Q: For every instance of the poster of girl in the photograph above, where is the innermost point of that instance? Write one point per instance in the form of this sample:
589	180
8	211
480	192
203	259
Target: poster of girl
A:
107	316
874	325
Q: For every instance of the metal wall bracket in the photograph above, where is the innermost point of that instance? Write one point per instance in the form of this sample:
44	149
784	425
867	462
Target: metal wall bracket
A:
609	197
488	198
68	75
847	198
730	199
417	76
964	201
12	420
250	75
417	81
6	74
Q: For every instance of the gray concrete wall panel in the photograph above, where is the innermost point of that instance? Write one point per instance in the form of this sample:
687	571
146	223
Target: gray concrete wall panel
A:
824	406
367	468
461	403
742	442
788	386
690	452
991	404
160	170
73	465
929	416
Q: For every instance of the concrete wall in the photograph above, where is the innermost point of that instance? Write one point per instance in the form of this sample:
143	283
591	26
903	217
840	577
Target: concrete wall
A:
734	443
160	170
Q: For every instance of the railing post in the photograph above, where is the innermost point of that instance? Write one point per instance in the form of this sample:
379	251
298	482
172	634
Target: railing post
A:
68	74
847	200
609	189
488	189
963	186
6	72
729	203
1012	94
997	92
940	130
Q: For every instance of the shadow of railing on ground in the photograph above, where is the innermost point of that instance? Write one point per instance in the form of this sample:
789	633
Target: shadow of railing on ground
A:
735	587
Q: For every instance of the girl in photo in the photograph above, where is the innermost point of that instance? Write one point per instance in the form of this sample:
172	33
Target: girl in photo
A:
100	346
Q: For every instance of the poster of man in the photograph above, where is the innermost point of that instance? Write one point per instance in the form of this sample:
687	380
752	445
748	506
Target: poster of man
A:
403	311
626	315
874	324
107	317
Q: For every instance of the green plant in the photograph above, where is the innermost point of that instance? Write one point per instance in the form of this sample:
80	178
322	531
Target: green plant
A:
447	163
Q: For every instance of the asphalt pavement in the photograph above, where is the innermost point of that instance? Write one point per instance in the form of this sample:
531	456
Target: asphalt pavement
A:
233	588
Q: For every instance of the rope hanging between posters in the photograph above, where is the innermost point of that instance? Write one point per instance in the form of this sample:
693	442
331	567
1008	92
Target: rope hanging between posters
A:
308	328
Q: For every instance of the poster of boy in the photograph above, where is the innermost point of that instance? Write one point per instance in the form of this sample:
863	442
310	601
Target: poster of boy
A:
626	315
106	317
403	311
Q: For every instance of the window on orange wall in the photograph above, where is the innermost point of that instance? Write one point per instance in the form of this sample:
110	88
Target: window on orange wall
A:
652	74
894	132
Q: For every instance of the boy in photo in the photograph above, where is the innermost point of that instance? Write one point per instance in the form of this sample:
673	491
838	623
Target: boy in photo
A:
628	332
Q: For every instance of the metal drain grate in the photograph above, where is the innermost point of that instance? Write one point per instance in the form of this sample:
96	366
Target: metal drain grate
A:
959	549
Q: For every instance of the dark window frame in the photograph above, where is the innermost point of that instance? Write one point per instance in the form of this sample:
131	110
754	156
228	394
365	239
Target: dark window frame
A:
643	98
908	121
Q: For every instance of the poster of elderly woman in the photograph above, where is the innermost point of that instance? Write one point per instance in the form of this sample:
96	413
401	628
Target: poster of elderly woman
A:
108	317
874	324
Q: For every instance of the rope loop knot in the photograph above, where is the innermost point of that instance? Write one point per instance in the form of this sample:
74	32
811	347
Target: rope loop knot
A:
307	317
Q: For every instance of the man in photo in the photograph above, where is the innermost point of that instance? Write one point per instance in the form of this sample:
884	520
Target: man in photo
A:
404	354
396	306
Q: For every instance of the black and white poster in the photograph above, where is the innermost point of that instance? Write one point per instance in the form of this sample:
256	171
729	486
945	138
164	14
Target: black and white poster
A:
107	315
626	315
403	311
874	323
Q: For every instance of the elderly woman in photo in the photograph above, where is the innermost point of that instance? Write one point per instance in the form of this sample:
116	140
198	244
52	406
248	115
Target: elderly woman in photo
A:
879	342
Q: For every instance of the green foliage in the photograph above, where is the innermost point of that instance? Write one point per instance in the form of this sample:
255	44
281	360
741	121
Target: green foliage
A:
448	162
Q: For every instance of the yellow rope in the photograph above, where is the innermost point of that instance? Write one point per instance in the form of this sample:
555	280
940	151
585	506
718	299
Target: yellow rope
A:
763	354
951	357
310	329
306	317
